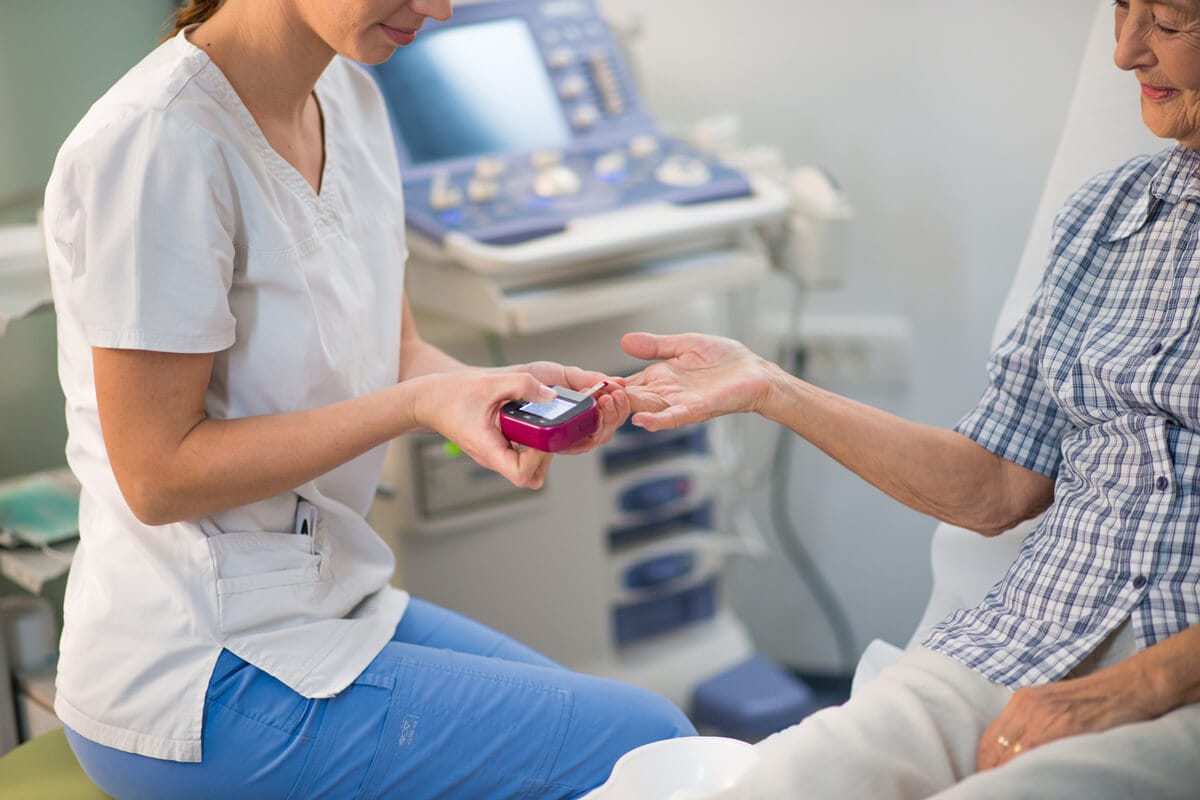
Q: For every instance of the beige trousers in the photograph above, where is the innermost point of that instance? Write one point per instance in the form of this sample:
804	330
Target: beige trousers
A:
913	733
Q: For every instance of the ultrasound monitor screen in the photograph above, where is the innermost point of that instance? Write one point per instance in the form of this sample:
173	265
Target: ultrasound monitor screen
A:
470	90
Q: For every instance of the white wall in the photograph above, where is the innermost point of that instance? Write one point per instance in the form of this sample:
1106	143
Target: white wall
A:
56	58
939	118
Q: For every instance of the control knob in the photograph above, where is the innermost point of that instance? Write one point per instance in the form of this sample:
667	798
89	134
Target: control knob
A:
682	171
444	195
488	169
556	181
643	146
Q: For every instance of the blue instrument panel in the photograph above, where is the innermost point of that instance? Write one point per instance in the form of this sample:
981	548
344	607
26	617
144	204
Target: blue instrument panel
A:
517	116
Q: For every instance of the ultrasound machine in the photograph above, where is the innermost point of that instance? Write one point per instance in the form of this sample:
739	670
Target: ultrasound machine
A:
529	160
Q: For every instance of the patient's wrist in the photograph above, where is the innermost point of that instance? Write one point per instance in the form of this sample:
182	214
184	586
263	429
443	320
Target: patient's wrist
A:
774	396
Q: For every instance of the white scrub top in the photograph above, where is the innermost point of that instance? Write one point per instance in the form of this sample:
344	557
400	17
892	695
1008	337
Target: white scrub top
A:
172	226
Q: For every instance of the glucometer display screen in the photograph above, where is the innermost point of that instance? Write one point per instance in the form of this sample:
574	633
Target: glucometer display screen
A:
471	90
552	410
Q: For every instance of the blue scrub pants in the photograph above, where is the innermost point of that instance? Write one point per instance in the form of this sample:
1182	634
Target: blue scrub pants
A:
449	709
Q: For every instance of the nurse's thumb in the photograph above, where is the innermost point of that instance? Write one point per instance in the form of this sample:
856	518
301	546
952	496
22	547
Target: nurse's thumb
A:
526	387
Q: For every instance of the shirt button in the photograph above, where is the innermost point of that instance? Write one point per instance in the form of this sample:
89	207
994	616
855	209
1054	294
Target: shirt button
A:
1162	484
1156	349
1139	581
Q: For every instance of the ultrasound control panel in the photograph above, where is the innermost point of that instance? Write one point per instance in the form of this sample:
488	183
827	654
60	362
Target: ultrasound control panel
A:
516	117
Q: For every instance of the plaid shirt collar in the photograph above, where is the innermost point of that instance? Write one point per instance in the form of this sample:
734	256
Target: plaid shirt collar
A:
1177	179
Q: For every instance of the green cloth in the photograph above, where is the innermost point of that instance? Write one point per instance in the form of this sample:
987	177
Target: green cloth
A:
45	769
38	512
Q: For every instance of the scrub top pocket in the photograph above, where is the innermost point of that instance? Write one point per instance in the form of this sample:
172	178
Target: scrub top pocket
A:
263	577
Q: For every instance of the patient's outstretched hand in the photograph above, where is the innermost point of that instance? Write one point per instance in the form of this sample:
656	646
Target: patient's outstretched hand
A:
697	377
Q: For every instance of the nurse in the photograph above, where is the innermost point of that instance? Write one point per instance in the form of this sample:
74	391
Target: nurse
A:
226	238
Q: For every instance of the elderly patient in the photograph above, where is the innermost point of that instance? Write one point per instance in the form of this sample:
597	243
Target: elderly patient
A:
1079	674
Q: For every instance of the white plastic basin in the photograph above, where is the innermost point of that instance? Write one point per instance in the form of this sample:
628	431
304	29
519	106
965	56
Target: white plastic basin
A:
689	768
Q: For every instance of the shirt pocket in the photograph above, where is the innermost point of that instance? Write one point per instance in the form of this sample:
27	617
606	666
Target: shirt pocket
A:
263	578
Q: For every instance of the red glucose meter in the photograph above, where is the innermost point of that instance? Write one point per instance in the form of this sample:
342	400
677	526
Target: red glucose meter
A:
553	425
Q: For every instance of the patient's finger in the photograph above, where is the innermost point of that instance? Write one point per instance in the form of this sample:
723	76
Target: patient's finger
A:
650	347
645	400
673	417
636	379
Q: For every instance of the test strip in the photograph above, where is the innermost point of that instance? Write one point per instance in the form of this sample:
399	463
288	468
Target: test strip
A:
592	391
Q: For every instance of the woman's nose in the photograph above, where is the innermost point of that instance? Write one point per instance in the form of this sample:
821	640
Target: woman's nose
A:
437	9
1132	50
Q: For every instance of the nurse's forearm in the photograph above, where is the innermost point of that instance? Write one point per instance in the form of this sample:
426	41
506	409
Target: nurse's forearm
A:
172	462
933	470
418	358
221	464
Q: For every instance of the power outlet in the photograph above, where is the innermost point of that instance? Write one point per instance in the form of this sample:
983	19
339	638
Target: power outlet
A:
850	349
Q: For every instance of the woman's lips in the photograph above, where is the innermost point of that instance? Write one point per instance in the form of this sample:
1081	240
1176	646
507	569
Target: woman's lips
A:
400	36
1157	92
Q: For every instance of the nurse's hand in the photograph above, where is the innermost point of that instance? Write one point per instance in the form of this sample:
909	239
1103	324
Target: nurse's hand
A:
698	377
464	406
612	400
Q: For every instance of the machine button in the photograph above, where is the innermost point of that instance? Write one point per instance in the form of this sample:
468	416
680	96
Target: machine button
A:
606	82
556	181
643	146
543	159
610	167
444	195
561	58
655	493
480	190
452	217
489	169
660	570
682	171
573	86
585	116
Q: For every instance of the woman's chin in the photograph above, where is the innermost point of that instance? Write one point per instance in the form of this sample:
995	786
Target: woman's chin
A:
1164	128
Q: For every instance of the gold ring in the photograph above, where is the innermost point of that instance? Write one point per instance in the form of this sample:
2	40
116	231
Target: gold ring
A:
1000	740
1016	748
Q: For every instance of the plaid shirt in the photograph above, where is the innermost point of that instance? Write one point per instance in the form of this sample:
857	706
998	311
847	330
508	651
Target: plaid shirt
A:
1099	387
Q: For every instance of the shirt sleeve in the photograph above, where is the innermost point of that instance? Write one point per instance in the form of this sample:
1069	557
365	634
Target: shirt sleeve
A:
144	212
1018	418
